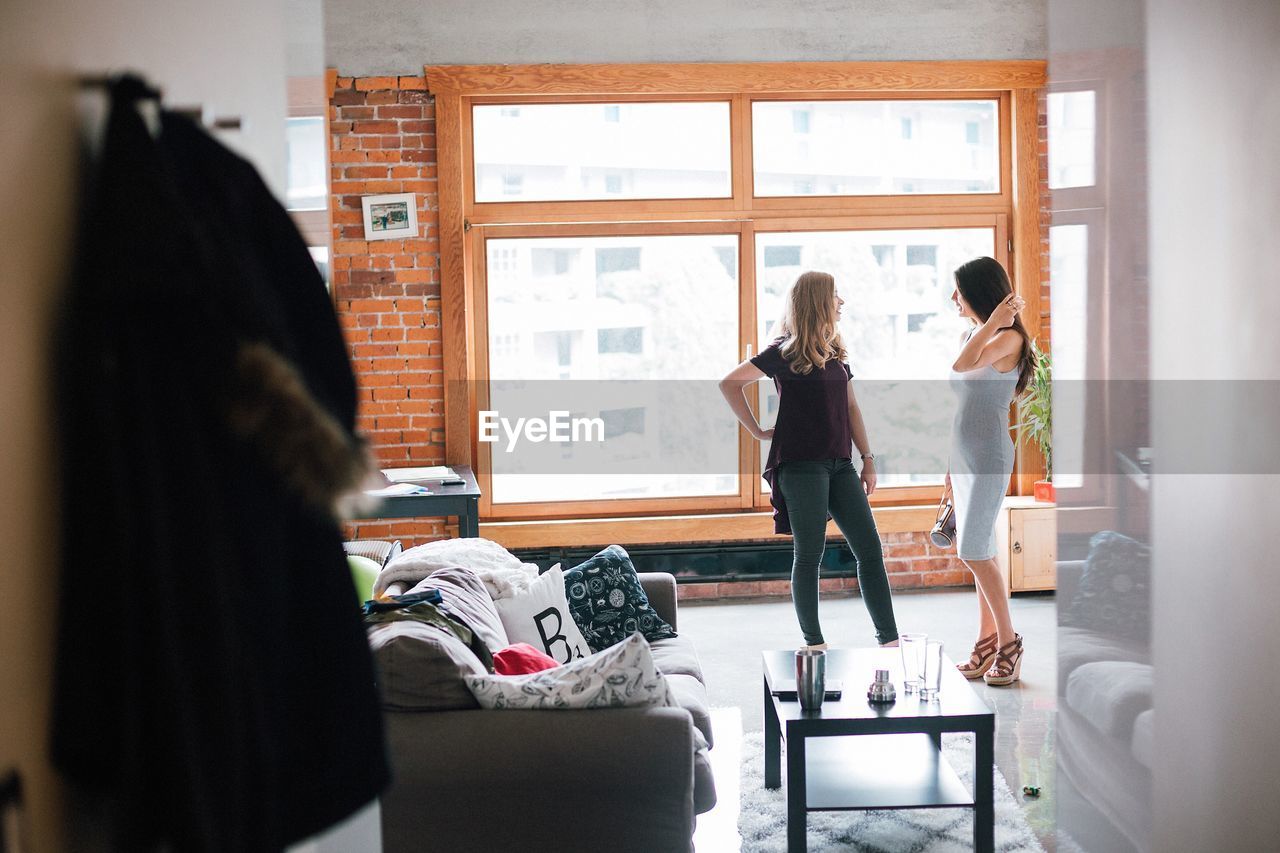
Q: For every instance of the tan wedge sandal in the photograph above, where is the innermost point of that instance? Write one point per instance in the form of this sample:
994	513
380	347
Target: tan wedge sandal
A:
1008	665
980	659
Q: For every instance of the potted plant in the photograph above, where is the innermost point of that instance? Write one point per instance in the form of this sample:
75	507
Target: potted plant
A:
1035	412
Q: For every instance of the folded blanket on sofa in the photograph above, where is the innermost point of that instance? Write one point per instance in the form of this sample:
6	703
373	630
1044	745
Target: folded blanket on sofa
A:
501	571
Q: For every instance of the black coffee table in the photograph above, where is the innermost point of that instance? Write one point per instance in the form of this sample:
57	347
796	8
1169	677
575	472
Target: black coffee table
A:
895	763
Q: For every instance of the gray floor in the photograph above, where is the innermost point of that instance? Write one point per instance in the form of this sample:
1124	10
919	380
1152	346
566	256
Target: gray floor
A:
731	634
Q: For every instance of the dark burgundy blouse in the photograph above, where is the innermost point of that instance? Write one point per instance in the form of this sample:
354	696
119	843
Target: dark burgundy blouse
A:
813	419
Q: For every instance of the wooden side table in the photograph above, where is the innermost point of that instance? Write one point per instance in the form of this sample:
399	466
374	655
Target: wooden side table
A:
1027	545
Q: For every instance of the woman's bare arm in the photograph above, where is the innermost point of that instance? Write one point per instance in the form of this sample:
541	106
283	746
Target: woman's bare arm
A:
1000	346
861	441
733	387
993	340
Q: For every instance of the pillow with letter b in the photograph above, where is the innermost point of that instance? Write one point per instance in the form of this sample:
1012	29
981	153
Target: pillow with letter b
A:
540	617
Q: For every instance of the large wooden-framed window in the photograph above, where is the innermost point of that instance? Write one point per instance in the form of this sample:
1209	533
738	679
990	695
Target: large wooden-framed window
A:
897	171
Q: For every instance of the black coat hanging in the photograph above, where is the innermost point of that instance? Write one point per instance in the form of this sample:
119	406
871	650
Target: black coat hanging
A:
212	676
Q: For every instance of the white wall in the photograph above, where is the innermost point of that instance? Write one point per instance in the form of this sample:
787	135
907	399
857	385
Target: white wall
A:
230	54
1214	84
400	36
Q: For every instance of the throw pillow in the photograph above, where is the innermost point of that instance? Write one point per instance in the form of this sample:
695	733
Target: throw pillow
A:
608	603
540	617
1114	596
624	676
521	659
364	572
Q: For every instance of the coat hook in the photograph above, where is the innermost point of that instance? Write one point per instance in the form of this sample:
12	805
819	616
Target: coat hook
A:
196	112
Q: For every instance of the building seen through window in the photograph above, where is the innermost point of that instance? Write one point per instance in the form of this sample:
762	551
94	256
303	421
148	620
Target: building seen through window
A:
595	309
550	152
875	147
898	325
577	306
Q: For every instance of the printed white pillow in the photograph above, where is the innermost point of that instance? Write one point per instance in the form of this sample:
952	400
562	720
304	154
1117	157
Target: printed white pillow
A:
540	617
621	676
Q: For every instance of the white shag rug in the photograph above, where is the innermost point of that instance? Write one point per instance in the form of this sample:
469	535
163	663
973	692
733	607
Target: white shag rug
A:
762	819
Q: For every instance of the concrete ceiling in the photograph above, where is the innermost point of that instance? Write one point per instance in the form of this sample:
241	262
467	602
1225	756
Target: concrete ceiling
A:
400	36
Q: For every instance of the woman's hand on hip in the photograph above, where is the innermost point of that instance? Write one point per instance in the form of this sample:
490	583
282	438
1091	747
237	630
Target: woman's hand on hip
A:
764	434
869	476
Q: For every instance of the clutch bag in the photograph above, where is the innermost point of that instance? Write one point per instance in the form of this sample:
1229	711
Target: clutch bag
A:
943	533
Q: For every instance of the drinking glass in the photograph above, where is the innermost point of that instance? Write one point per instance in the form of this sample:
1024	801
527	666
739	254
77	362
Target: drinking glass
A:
932	671
811	678
912	648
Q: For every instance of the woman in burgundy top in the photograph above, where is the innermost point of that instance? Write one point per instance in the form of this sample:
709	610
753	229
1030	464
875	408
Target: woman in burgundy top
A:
810	468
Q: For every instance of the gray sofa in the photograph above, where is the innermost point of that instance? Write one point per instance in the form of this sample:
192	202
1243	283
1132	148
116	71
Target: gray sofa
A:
1105	716
618	779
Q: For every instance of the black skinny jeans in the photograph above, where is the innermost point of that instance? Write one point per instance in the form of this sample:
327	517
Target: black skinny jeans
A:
811	490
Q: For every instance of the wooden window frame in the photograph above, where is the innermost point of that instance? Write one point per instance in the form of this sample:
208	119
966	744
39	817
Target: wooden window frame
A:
465	224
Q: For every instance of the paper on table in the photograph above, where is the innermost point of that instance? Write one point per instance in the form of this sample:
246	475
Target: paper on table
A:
434	472
398	489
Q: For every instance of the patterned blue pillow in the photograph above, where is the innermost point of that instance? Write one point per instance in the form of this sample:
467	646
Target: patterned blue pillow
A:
608	603
1114	596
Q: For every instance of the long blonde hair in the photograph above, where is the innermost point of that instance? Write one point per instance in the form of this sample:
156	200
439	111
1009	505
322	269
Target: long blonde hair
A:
811	336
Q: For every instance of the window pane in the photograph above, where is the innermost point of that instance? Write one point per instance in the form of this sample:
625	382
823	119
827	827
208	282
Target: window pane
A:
320	254
1072	120
633	331
898	325
305	142
556	152
875	147
1069	272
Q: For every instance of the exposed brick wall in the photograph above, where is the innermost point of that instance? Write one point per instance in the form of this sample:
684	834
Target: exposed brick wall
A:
911	560
387	292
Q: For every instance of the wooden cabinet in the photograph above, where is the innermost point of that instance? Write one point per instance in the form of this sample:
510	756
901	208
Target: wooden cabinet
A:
1027	545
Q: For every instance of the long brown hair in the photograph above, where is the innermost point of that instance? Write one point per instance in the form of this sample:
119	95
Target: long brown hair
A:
984	284
811	336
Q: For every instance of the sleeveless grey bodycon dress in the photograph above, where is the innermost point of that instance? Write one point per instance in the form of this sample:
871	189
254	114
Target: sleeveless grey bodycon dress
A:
981	456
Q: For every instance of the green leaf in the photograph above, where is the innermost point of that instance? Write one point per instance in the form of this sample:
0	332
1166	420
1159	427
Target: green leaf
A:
1035	408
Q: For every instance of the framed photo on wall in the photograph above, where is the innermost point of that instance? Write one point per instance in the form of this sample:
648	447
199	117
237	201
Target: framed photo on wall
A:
390	217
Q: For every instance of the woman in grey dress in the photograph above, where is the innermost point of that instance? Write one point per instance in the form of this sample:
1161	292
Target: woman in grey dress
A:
994	365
